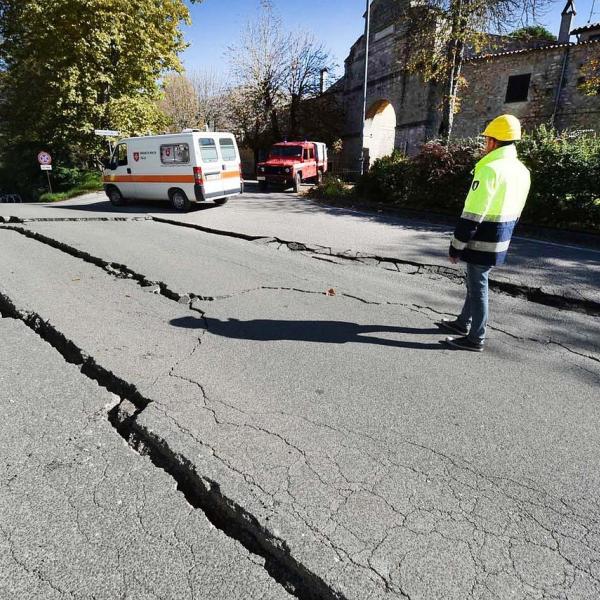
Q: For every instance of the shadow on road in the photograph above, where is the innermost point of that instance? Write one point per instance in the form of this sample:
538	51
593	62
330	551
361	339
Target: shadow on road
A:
136	207
324	332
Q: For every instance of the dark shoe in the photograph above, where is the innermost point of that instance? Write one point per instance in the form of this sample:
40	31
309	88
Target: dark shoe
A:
454	326
464	343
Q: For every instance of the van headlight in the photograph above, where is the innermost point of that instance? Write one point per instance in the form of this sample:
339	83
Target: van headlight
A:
261	169
288	170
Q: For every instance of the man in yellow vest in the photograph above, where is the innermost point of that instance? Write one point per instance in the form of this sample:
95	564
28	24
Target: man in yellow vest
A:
493	207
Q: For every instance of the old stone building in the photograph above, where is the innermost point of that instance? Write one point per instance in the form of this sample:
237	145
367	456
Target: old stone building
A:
536	81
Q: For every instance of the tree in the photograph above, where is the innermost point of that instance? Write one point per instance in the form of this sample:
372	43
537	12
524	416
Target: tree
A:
179	102
591	77
533	33
66	65
211	94
443	30
305	59
275	72
258	64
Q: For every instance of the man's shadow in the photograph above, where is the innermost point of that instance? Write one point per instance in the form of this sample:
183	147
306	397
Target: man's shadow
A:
324	332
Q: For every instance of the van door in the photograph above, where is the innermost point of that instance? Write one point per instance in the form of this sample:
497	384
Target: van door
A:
211	168
120	171
230	168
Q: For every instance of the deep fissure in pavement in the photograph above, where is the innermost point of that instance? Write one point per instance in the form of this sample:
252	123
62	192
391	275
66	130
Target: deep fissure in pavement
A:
201	493
531	294
121	271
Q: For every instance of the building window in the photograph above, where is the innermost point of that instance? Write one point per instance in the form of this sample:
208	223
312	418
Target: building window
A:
518	88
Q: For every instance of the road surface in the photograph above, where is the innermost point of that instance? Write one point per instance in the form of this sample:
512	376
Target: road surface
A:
279	416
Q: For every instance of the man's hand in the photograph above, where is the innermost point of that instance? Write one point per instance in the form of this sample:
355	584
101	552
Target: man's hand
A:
454	259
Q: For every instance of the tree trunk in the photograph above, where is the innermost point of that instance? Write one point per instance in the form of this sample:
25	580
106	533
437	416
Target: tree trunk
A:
454	60
294	110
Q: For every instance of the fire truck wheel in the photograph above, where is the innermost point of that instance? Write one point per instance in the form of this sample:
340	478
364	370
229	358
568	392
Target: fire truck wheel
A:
221	201
297	182
115	197
179	200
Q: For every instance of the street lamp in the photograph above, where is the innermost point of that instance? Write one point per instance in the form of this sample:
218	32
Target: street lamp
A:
365	86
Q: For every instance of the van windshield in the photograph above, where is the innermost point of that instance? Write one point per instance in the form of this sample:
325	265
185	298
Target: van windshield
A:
286	151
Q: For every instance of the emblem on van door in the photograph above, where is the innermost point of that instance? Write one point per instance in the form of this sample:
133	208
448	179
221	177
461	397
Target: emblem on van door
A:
136	156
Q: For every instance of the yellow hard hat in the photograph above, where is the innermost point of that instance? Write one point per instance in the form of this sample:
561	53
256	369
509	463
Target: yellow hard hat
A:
505	128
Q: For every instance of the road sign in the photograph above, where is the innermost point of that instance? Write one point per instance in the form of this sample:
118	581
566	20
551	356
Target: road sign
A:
107	132
44	158
46	167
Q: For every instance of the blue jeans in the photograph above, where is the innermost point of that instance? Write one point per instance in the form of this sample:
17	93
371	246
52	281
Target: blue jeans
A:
475	309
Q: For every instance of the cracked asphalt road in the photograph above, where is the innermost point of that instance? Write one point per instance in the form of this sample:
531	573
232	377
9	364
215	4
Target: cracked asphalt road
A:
557	268
363	459
82	515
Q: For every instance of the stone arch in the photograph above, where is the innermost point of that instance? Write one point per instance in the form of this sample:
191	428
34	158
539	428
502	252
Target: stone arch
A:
380	129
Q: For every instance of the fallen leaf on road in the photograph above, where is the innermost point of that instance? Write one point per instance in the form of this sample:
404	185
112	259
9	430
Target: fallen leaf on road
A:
330	292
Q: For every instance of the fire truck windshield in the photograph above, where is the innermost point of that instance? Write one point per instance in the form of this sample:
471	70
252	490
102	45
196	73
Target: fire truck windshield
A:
286	151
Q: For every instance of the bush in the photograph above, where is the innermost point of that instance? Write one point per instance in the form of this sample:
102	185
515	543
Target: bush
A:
565	177
330	189
386	180
565	172
70	183
440	176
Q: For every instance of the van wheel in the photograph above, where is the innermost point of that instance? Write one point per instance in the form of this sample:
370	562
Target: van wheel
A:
221	201
115	197
179	200
297	182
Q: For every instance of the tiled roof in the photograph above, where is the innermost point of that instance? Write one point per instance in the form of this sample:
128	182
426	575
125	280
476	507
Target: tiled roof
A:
550	46
588	27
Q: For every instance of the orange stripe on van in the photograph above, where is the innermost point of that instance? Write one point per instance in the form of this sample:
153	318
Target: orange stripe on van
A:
148	179
230	174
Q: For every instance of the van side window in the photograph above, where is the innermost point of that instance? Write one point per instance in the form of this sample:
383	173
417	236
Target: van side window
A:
311	154
208	150
175	154
120	156
227	149
305	153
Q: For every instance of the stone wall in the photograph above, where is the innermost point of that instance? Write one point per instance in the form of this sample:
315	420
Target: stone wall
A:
487	80
417	103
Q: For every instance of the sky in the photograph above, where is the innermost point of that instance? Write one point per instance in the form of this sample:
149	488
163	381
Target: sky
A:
338	23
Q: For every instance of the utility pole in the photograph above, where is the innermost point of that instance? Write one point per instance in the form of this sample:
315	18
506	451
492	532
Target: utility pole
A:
365	86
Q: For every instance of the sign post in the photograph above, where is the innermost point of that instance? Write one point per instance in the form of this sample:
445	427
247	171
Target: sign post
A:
45	161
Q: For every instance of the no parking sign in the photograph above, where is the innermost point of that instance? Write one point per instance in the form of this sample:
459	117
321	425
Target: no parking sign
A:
44	158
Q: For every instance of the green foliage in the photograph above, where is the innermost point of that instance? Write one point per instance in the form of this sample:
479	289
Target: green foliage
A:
69	183
386	180
590	71
565	172
533	32
331	188
67	66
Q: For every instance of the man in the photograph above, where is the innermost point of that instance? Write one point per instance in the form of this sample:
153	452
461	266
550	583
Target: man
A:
496	199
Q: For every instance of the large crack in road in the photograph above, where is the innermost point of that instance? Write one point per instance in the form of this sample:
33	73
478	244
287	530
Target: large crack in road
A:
202	492
532	294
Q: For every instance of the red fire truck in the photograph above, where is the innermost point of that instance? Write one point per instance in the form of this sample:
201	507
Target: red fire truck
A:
291	163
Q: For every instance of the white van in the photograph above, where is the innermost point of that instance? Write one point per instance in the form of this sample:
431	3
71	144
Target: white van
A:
186	167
